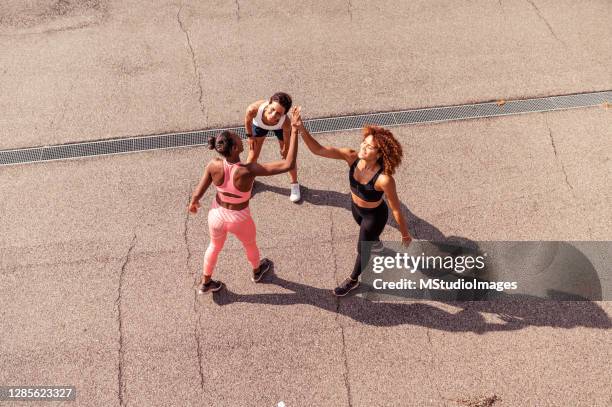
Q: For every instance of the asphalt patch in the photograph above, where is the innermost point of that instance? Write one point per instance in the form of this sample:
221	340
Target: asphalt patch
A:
479	401
44	16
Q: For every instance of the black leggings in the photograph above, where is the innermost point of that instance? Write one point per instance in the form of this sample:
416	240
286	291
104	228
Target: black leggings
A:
371	222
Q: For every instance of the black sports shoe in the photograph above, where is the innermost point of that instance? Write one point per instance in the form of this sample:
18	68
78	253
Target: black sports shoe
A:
212	287
347	286
264	266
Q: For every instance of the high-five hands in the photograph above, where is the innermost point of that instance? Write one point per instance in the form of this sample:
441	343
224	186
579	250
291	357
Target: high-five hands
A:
296	118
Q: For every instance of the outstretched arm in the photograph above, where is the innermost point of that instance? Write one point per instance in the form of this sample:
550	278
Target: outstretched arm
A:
387	183
200	190
286	136
250	114
288	163
313	145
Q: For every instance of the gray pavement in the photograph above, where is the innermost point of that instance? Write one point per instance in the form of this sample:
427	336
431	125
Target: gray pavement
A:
99	260
86	70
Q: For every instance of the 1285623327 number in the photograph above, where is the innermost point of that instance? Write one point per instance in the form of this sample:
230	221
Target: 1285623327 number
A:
37	393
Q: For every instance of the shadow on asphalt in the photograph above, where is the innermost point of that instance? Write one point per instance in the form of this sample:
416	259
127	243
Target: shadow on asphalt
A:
418	227
514	311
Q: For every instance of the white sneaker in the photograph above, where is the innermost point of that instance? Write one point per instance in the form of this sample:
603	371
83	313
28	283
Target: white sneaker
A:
295	193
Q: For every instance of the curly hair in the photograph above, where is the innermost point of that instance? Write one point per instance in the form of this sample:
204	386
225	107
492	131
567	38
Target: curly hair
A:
390	148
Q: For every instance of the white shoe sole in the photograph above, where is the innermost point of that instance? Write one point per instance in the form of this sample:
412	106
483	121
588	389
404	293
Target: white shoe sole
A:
269	263
295	197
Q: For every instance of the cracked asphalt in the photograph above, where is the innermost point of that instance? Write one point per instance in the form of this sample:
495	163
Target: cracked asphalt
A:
146	67
99	258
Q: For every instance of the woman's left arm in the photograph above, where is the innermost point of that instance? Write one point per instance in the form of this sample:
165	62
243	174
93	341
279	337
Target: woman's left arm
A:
387	183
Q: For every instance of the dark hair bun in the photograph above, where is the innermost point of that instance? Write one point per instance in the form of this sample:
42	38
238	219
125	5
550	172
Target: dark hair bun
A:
212	141
222	143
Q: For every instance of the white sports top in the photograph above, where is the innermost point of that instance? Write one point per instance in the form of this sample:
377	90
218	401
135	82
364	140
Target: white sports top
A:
258	120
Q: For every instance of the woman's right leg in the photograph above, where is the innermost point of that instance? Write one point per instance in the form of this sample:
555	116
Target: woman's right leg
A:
370	228
218	233
371	224
243	227
351	283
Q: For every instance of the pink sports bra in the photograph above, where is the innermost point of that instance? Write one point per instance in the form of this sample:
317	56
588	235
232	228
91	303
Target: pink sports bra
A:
228	185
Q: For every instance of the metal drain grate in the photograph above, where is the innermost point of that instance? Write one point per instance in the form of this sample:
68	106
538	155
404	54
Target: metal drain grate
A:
323	125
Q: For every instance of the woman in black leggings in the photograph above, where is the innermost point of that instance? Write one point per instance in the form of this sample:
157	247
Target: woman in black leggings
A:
370	176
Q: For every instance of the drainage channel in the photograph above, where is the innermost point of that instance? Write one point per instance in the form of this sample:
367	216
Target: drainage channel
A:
322	125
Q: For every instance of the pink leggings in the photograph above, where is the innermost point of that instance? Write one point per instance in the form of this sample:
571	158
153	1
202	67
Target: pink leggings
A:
240	223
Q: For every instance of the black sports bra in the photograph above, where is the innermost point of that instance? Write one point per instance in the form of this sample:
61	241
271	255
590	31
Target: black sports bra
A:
365	191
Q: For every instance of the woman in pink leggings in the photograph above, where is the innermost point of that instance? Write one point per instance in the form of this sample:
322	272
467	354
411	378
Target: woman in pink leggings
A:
230	209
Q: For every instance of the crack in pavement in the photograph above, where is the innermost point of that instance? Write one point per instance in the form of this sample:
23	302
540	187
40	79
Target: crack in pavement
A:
196	70
198	318
185	232
501	6
581	206
118	302
350	9
428	333
237	11
552	142
347	383
537	10
196	335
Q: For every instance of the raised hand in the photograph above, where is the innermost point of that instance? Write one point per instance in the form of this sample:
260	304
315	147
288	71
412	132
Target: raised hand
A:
296	118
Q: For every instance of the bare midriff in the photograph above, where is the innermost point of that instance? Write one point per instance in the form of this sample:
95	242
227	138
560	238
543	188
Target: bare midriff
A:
365	204
231	206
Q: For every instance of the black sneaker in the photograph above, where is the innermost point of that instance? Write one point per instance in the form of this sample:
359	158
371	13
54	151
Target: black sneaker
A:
347	286
264	266
211	287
